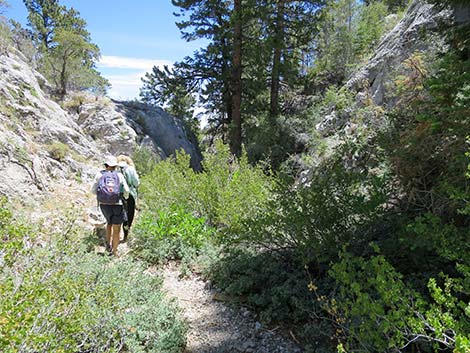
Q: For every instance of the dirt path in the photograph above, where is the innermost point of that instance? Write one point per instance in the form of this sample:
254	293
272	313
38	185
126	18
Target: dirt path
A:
216	327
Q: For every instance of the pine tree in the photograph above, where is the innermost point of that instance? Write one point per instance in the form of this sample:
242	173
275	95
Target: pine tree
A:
165	87
254	47
67	56
209	70
236	128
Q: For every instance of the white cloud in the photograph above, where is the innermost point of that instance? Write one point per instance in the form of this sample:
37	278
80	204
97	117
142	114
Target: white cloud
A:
125	74
121	62
125	86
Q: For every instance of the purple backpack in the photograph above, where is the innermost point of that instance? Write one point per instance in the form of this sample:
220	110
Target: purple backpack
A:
109	187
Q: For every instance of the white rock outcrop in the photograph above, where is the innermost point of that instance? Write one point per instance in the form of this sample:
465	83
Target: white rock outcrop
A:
398	45
43	145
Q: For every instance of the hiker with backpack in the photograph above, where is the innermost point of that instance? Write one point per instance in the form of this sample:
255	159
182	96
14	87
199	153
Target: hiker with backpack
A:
132	179
110	188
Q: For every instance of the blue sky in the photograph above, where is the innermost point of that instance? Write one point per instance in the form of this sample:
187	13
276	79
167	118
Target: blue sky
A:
133	36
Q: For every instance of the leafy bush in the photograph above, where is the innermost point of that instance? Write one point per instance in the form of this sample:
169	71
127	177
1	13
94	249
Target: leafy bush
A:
372	306
168	235
15	237
316	220
225	193
377	309
75	102
275	285
59	299
145	160
243	273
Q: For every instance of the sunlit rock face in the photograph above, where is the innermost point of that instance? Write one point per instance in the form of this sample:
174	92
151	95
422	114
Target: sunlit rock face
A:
410	36
44	145
419	32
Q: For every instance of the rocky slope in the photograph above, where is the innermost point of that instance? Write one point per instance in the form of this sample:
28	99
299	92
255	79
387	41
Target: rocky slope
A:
45	146
417	32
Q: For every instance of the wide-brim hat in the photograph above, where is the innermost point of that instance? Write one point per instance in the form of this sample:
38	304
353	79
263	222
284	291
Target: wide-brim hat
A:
111	161
122	164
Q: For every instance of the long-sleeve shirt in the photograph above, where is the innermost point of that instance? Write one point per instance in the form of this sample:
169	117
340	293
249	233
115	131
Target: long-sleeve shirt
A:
124	187
132	179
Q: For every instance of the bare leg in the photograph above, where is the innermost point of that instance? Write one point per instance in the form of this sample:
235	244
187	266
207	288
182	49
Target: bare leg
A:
116	233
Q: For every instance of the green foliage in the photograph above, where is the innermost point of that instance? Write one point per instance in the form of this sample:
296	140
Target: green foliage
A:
5	36
167	88
375	308
337	98
336	206
225	193
14	236
169	235
22	40
415	295
334	44
349	31
58	151
243	274
67	55
59	299
372	307
75	101
145	160
370	28
427	141
69	64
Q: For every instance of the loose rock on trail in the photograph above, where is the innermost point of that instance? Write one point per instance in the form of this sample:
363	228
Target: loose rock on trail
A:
217	327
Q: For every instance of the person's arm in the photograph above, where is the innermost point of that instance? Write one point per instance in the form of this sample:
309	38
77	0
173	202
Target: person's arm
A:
135	177
125	187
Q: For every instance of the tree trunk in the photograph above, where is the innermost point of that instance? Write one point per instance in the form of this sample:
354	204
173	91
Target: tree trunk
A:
63	79
236	126
276	63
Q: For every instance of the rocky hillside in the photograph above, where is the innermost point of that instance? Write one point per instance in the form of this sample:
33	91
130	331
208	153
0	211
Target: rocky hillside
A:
418	34
47	148
372	84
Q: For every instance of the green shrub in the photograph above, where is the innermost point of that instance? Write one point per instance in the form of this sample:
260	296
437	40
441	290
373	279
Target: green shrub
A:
225	193
372	307
145	160
243	274
377	309
274	284
58	151
15	237
75	101
169	235
60	299
317	219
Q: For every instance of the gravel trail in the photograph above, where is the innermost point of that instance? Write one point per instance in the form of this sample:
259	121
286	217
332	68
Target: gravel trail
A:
216	326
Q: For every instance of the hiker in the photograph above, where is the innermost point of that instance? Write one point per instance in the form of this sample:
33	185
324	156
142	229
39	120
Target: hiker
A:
111	187
132	179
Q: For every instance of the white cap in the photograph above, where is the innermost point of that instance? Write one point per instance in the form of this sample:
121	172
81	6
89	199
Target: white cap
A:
110	161
122	164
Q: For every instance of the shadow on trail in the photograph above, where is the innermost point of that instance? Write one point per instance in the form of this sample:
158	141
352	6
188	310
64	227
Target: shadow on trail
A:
216	323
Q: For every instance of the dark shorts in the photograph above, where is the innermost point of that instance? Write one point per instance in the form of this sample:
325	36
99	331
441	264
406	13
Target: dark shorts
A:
114	214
